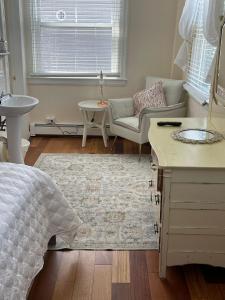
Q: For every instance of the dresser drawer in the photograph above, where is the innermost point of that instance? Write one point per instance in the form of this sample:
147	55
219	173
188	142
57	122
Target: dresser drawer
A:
197	193
180	219
196	243
198	175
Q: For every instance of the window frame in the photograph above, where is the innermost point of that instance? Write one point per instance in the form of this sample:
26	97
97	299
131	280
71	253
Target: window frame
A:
76	78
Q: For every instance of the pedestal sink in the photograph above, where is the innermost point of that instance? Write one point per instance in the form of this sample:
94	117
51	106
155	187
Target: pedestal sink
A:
13	108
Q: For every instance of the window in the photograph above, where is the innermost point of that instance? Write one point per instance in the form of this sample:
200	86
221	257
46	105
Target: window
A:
77	38
201	57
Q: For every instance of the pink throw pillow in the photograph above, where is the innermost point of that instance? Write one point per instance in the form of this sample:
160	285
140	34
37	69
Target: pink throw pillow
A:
147	98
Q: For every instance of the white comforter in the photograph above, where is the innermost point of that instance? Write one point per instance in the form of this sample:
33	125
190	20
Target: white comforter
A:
32	210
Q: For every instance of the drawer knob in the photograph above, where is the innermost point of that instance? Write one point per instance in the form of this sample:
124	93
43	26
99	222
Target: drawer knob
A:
150	183
156	228
151	198
154	167
157	199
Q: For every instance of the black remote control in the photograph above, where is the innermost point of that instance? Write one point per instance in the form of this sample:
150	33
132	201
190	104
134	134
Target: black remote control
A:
168	123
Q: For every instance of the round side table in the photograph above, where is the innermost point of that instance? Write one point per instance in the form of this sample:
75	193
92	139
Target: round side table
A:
93	106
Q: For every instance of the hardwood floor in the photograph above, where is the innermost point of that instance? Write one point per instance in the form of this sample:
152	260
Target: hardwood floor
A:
115	275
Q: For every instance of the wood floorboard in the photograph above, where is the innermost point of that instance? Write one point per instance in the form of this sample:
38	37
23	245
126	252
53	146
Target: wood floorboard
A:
221	289
118	147
66	275
152	260
214	292
102	283
160	289
43	286
175	284
103	257
35	150
83	284
103	275
139	285
196	283
121	291
121	267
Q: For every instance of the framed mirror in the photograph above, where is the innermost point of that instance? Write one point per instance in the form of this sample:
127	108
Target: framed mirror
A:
219	75
197	136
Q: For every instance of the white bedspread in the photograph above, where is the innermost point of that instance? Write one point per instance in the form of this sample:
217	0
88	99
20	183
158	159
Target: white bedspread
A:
32	210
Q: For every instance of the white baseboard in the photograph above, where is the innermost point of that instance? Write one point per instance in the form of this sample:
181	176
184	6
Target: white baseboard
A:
63	129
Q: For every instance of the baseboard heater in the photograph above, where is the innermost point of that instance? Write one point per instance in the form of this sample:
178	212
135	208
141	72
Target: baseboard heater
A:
63	129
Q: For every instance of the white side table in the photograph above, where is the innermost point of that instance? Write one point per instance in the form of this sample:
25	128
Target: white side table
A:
93	106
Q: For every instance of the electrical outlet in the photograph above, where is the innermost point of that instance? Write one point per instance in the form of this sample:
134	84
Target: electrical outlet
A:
50	119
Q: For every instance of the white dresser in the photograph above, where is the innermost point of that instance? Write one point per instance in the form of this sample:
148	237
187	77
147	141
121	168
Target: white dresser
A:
192	222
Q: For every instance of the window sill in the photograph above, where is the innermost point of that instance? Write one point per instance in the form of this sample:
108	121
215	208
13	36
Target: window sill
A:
41	80
197	96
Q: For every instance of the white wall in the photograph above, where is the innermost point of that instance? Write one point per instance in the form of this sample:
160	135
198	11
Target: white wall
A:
176	72
151	32
195	109
4	75
17	68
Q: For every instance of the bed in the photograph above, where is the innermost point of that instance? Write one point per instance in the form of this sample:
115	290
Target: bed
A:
32	210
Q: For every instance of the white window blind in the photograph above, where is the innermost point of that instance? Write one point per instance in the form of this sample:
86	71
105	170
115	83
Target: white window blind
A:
201	57
76	37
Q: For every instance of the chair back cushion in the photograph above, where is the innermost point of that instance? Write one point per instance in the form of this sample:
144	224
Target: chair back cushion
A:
121	108
151	97
173	89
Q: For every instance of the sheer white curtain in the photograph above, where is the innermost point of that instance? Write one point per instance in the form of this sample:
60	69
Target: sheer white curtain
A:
186	25
212	11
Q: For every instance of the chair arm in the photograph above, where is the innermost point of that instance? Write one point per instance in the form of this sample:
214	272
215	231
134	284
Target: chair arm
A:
172	111
121	108
163	108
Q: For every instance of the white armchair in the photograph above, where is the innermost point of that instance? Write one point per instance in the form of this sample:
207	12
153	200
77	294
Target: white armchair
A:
125	124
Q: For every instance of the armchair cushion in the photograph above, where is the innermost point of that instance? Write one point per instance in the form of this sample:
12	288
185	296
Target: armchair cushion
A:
152	97
173	89
131	123
121	108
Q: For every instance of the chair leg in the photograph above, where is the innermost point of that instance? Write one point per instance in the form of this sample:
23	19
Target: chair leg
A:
114	141
140	147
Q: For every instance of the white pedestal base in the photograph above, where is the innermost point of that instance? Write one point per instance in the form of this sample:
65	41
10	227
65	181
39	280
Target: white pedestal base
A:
14	139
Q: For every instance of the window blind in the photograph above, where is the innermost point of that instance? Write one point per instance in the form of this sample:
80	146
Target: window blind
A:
76	37
201	57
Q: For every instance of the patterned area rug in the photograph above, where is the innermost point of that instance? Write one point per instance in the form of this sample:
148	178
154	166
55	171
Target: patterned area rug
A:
111	195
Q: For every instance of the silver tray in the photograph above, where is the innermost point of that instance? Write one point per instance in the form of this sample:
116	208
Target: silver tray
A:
197	136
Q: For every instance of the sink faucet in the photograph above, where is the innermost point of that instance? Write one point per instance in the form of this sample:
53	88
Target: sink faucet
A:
4	95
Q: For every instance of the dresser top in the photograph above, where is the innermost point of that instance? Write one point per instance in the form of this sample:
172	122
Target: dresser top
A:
175	154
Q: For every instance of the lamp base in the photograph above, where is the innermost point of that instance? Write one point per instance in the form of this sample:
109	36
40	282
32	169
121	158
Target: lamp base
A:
103	102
